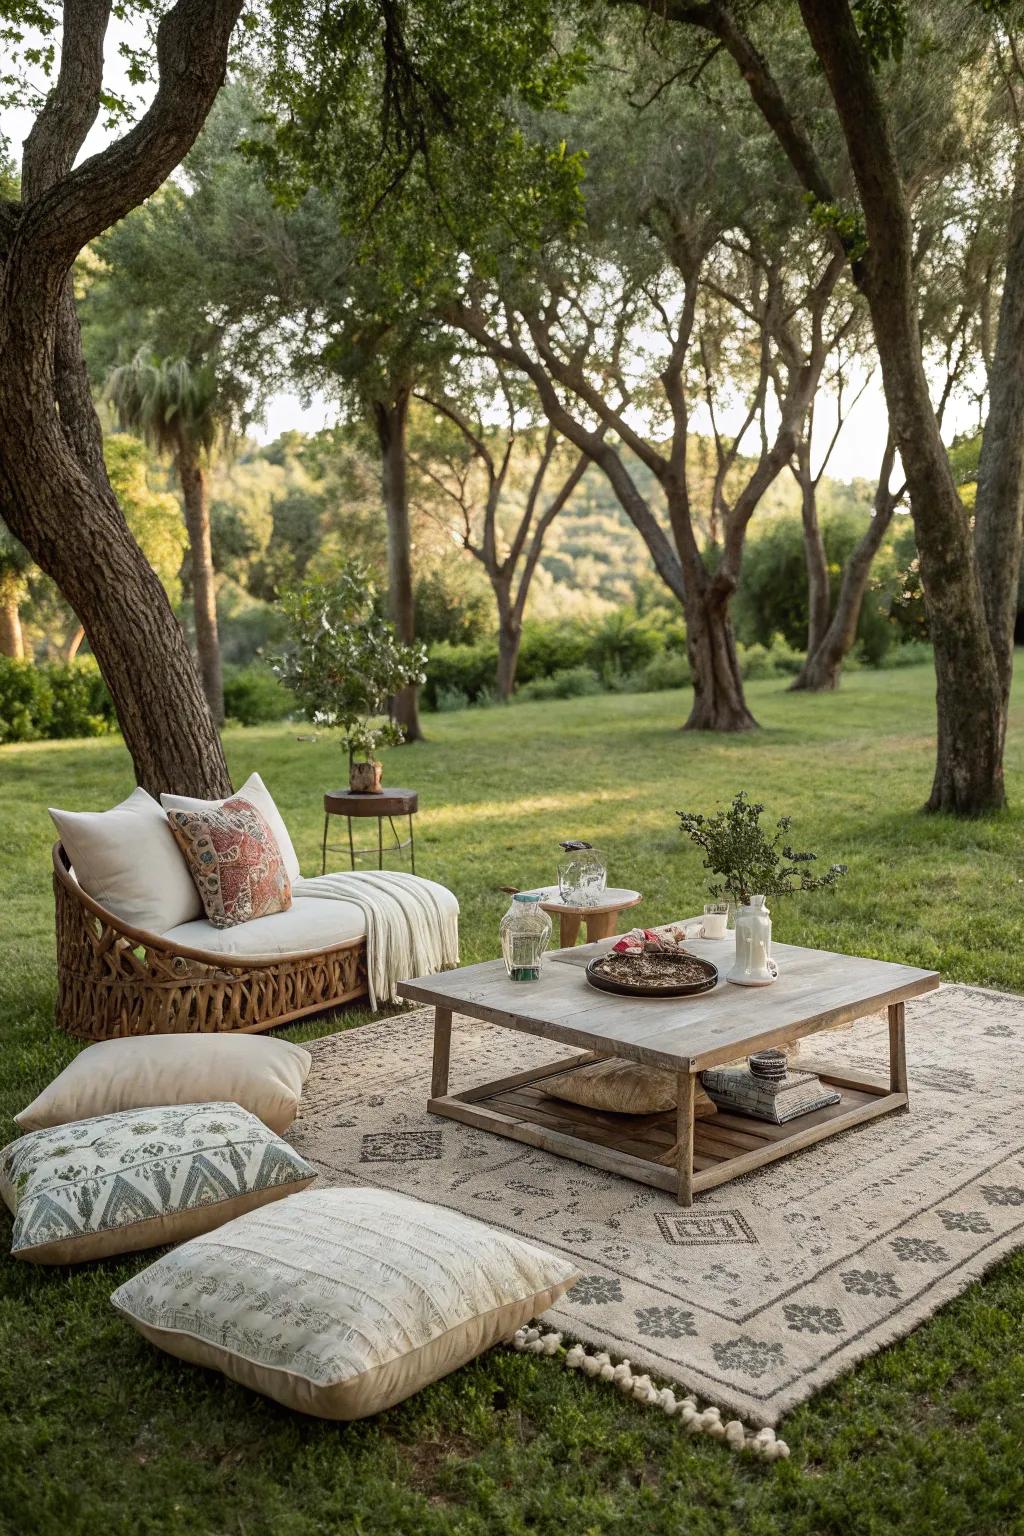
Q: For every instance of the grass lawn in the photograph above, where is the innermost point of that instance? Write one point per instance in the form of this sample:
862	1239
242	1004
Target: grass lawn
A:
101	1434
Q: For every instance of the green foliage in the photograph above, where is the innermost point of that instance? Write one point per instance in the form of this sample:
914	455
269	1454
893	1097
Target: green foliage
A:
459	671
174	405
882	25
749	860
776	659
63	700
254	696
344	661
449	608
154	517
622	643
563	683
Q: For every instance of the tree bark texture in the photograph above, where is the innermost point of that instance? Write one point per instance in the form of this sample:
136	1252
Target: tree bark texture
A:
999	503
204	590
12	641
53	485
971	715
510	637
391	419
818	593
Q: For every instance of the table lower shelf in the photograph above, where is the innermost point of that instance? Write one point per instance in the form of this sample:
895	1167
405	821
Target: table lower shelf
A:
641	1147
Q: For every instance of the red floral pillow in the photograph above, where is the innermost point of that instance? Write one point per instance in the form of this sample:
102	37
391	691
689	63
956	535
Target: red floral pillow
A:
235	862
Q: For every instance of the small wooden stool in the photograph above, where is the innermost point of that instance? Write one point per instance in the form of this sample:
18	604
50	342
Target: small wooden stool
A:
386	804
601	921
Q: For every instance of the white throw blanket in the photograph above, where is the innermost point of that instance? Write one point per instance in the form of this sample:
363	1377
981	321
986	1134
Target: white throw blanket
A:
408	930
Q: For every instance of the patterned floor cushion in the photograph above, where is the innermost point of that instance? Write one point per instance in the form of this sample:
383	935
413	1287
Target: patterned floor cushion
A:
139	1178
341	1302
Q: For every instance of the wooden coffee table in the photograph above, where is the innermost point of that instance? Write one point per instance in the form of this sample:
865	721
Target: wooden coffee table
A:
815	989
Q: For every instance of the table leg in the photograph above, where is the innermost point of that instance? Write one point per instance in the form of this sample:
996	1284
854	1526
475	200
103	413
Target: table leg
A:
568	929
897	1048
442	1052
601	925
412	846
380	842
684	1136
351	844
323	848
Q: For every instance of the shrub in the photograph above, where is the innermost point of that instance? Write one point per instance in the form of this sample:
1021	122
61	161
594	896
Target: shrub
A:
254	696
448	701
777	659
565	683
550	648
912	653
465	669
621	643
82	706
26	700
669	670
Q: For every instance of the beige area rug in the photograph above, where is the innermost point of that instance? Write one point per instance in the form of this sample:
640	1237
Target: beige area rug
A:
768	1287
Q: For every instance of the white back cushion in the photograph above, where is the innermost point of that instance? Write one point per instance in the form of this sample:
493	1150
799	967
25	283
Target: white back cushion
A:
128	861
256	792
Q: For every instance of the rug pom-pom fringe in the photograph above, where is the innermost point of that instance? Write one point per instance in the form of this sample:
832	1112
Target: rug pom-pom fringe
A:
762	1443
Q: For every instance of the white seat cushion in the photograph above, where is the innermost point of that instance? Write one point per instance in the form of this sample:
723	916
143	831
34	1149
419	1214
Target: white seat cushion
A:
128	861
309	923
256	792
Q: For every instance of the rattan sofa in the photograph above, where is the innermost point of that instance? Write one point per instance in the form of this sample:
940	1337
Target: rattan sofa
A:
115	980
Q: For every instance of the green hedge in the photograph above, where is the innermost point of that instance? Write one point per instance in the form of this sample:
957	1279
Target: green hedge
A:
53	701
254	696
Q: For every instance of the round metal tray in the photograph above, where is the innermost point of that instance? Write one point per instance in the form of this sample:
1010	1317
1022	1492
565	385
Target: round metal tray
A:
597	977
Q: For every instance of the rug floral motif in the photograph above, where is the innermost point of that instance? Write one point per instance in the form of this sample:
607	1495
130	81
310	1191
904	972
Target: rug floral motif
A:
768	1287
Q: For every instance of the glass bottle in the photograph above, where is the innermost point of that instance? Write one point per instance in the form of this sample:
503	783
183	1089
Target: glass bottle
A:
582	875
525	931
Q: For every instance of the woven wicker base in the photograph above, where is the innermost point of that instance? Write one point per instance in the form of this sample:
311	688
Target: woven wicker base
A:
114	980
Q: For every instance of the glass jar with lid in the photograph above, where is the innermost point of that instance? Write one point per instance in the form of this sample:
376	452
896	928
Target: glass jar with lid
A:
525	931
582	875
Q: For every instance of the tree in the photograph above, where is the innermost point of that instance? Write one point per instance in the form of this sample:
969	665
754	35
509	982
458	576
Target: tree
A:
969	575
177	409
702	262
54	487
491	479
14	564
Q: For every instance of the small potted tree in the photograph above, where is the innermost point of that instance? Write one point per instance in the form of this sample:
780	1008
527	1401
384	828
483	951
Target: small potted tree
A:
344	663
753	865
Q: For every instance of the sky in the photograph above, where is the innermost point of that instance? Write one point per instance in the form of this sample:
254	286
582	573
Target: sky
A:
856	454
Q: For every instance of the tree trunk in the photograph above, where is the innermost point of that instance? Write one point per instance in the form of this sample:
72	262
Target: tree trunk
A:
510	636
820	672
999	504
12	641
969	694
53	484
74	643
391	420
819	597
718	701
204	590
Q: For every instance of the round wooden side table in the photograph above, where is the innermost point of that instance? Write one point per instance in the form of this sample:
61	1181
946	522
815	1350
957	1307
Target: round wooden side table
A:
385	806
601	921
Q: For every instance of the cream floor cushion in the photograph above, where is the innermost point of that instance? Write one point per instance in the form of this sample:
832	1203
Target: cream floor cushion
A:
127	860
263	1076
140	1178
256	792
310	923
342	1302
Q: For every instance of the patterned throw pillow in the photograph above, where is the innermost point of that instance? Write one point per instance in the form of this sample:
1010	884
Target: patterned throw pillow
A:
139	1178
235	861
341	1302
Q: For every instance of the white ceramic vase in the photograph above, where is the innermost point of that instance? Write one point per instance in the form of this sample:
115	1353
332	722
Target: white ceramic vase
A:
754	965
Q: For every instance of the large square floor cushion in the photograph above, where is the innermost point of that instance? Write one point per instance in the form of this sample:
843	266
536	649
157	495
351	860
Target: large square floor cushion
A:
342	1302
117	1183
128	861
256	792
263	1076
